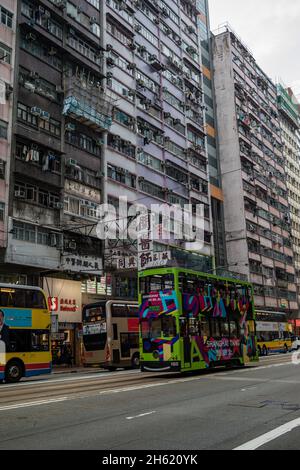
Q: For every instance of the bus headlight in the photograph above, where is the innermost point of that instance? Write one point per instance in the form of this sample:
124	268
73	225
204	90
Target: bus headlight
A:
155	354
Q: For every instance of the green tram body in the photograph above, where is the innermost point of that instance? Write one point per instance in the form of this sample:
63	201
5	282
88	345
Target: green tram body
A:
191	321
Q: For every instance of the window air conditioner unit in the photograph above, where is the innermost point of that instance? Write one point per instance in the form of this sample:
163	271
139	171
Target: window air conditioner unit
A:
29	86
61	4
20	193
36	111
30	37
132	46
45	115
70	127
72	245
71	162
52	51
58	205
93	19
34	75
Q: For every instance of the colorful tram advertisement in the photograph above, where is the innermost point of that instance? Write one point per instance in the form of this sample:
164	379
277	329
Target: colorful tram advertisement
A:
191	321
111	334
25	325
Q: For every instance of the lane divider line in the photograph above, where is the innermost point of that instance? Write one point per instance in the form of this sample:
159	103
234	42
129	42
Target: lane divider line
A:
32	403
141	415
270	436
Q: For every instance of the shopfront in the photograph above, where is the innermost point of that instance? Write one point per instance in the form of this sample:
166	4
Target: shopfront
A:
64	299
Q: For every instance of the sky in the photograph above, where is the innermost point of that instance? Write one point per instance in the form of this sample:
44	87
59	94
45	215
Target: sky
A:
270	29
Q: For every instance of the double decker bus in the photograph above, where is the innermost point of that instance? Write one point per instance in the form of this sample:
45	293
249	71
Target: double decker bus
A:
111	334
25	326
274	333
191	321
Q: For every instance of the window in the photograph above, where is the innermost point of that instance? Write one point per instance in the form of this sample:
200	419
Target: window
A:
224	328
204	328
3	129
2	211
31	234
214	328
41	50
24	232
6	17
121	175
22	298
168	327
5	53
234	329
52	126
152	189
24	114
94	314
40	341
156	283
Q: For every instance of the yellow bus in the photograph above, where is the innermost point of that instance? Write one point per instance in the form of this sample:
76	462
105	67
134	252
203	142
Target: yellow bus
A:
111	334
274	333
25	325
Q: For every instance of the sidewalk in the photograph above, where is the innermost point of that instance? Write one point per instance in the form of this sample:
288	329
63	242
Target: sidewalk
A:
74	370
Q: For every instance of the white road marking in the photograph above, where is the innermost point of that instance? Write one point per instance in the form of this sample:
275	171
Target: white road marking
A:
141	415
100	375
32	403
270	436
256	369
74	378
218	376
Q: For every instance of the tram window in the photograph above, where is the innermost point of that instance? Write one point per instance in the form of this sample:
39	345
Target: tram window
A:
188	283
234	330
204	326
224	328
194	327
169	327
214	328
156	283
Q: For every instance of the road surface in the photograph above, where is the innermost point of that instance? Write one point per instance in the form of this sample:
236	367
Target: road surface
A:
252	408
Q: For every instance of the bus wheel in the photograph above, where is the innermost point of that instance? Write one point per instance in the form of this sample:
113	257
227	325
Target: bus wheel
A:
135	361
112	369
265	351
14	371
286	349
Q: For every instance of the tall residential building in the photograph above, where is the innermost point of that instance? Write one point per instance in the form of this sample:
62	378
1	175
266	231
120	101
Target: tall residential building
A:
257	219
217	197
108	102
157	85
8	9
289	113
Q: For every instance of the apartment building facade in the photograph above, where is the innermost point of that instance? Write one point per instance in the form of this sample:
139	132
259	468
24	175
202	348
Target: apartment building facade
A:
289	113
257	218
108	102
7	65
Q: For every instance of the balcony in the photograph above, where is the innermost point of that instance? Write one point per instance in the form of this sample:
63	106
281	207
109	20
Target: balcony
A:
89	105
